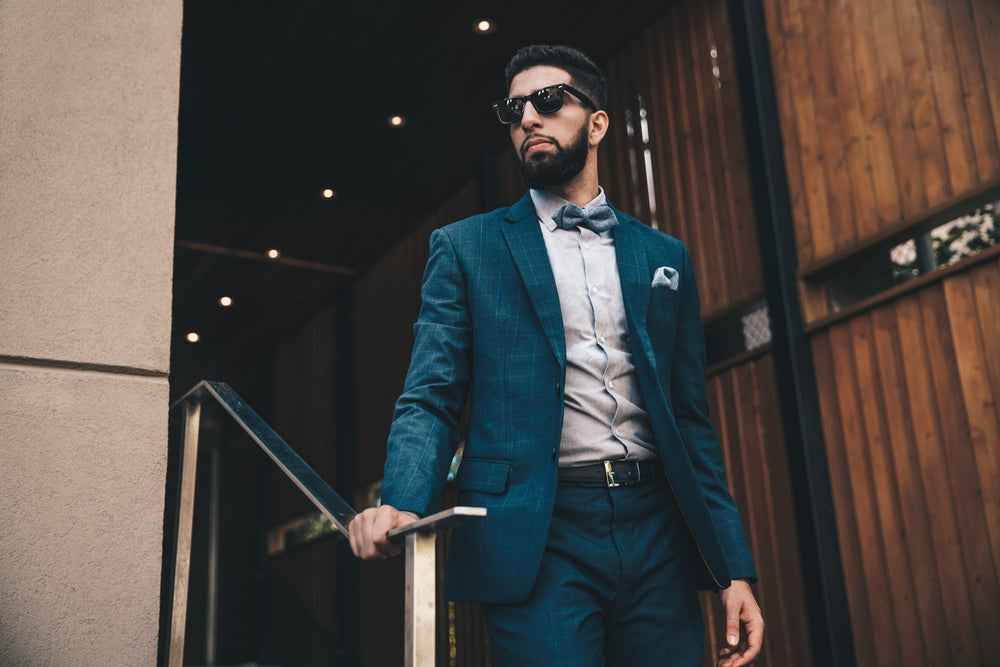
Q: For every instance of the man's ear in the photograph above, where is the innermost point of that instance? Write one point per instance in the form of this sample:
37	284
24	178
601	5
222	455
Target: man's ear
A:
598	128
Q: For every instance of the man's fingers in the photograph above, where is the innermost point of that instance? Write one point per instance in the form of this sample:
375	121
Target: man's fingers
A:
367	531
384	522
755	638
733	624
740	607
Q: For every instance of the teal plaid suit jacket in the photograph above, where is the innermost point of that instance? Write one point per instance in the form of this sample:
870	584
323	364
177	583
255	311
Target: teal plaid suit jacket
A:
490	328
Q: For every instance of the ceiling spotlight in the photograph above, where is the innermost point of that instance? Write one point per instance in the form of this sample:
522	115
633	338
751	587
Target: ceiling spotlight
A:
484	26
397	121
193	337
273	253
329	193
225	301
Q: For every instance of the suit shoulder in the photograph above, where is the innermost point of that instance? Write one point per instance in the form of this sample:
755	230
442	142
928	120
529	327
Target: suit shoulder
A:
650	235
474	226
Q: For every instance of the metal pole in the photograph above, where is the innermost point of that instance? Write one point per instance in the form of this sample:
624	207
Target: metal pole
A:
212	596
418	539
421	596
185	518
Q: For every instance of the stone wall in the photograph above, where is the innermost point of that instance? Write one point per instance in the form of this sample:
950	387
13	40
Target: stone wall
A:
88	144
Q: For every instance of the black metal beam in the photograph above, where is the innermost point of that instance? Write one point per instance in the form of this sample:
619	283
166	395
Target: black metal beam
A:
829	617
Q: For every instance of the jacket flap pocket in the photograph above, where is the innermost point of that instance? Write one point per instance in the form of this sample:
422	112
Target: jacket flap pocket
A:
482	475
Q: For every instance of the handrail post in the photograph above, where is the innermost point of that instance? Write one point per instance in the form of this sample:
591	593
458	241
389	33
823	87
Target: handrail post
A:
421	598
185	519
419	540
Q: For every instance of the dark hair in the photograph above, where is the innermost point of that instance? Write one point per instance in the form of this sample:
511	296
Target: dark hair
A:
584	74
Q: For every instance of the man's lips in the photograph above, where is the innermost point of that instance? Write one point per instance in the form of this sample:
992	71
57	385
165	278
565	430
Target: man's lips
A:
535	143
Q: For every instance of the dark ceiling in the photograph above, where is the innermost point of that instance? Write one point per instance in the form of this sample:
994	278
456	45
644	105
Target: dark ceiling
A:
282	100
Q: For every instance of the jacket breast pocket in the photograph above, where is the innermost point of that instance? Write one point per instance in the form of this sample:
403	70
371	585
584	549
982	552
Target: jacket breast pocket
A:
483	475
662	317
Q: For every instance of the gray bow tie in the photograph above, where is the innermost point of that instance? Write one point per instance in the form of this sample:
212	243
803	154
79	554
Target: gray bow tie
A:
596	218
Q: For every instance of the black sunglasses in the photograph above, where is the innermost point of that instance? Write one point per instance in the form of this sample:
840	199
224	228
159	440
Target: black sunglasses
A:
545	100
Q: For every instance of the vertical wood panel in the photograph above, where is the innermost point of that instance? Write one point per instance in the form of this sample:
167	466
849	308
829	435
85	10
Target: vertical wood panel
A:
932	461
829	103
749	430
875	134
913	435
925	583
974	90
860	487
931	161
980	401
961	466
697	146
731	158
986	17
810	149
855	141
892	550
847	528
888	108
947	90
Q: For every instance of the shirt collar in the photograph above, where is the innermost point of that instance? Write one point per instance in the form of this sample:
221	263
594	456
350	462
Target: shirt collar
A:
547	203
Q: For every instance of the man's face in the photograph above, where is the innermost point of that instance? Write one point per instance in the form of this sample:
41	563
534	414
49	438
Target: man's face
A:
551	148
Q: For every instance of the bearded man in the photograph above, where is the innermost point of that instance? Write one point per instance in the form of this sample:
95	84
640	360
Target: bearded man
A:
575	332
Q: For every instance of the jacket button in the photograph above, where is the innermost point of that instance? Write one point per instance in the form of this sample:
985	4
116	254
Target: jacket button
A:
553	453
558	389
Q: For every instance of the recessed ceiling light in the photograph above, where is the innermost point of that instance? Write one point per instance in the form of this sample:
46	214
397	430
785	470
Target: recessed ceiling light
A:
484	26
273	253
329	193
193	337
397	121
225	301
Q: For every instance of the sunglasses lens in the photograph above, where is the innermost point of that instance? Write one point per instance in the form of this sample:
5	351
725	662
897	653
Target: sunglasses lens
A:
547	100
510	110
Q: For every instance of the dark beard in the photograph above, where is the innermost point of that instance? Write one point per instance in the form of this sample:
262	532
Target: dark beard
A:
545	171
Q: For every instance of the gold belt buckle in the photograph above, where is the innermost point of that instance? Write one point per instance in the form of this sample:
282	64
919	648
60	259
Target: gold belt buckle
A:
610	474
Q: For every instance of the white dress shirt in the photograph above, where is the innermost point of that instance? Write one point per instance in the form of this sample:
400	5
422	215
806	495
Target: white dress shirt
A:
604	415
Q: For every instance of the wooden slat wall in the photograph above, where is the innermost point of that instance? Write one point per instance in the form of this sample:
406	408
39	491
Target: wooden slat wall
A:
302	597
386	303
889	108
702	195
697	146
912	425
749	425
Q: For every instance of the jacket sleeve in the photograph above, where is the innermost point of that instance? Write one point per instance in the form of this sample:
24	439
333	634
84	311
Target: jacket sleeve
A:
689	399
425	425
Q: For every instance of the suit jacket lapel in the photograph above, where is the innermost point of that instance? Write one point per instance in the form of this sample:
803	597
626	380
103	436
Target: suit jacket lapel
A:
633	270
524	238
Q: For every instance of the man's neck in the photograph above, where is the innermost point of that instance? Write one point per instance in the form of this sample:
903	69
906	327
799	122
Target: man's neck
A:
580	190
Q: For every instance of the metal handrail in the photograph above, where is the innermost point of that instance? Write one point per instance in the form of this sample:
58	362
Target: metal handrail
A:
417	538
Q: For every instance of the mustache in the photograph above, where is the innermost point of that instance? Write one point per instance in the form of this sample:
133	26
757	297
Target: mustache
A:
534	137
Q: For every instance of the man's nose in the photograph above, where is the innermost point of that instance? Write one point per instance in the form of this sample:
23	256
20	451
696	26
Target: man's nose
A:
530	118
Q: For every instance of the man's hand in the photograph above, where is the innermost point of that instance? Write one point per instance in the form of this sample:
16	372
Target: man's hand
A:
368	531
742	644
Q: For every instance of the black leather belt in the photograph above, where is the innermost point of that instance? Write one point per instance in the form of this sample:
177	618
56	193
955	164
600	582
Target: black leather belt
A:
613	473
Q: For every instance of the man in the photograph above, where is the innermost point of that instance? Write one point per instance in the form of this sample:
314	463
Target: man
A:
575	332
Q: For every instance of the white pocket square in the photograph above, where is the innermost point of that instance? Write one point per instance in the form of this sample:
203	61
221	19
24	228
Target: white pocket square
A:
666	276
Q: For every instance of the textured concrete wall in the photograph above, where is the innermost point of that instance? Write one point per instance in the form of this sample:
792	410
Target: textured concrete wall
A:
88	135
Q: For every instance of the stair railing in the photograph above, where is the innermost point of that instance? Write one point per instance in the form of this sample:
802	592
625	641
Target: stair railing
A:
418	538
